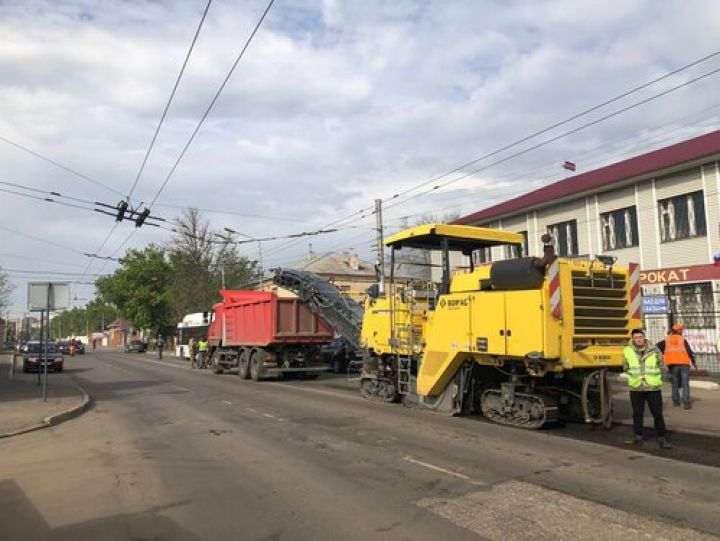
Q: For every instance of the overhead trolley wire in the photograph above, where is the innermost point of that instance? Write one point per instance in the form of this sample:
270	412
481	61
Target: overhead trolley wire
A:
559	123
169	101
212	103
562	135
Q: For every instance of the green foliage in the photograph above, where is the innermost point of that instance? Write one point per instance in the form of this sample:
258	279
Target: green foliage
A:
80	321
140	289
157	286
6	289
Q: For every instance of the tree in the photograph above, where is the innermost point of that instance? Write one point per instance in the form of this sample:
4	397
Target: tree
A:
80	321
198	257
140	289
6	289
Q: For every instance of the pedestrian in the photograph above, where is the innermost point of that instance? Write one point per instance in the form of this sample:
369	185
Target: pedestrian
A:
678	356
94	343
72	347
643	364
160	345
202	351
192	348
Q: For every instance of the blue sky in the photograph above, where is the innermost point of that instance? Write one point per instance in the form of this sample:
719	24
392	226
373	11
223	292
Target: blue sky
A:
336	103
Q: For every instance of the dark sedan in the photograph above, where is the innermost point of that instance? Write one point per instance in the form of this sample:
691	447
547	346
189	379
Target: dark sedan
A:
63	346
34	355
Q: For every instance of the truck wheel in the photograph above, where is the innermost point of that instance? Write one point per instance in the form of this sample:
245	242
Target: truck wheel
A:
255	365
244	364
214	366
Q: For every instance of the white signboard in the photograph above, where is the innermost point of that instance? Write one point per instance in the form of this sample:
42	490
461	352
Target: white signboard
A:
59	296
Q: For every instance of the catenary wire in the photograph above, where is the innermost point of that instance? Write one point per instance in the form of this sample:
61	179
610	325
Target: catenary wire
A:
212	103
169	101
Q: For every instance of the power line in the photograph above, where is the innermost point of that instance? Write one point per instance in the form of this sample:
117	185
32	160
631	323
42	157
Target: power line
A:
52	243
562	135
25	257
551	171
45	199
238	213
59	273
212	103
170	99
60	165
560	123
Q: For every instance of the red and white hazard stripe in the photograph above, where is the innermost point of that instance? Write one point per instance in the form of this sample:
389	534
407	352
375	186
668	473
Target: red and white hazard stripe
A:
555	296
635	297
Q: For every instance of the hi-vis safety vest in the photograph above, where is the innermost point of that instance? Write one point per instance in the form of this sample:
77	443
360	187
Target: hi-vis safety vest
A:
647	370
202	345
675	352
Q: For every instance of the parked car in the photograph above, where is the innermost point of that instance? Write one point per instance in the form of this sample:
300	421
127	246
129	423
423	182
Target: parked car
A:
63	346
136	346
34	358
79	347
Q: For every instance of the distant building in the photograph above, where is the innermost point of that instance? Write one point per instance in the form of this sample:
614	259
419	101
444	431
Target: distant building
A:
351	274
660	209
120	332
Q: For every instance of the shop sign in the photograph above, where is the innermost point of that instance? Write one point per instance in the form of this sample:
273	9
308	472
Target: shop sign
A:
674	275
655	304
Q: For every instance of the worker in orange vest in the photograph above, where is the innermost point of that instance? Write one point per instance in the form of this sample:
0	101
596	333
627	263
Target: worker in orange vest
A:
678	355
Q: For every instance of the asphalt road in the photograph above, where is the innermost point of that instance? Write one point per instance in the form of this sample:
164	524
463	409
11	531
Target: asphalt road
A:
169	453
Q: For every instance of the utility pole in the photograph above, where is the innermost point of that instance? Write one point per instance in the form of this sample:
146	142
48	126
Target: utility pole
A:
380	245
260	259
222	275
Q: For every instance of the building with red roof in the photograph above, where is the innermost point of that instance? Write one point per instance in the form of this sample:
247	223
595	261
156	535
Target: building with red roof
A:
660	209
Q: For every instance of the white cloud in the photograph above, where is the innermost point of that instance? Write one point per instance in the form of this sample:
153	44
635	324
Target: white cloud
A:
336	103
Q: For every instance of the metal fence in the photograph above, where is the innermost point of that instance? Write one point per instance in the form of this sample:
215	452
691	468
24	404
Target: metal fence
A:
701	331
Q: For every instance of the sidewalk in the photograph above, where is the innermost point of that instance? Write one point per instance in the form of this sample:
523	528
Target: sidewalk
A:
703	418
21	406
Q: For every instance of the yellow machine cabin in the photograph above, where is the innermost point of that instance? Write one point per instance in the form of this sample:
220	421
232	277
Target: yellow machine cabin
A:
526	341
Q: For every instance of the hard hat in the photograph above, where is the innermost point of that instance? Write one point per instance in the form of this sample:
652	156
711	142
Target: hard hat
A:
678	327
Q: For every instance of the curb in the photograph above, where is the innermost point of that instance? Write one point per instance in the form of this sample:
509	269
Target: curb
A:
57	418
696	384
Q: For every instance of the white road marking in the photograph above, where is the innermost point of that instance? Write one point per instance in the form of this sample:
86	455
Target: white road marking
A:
318	391
173	365
227	402
268	415
443	470
184	389
251	410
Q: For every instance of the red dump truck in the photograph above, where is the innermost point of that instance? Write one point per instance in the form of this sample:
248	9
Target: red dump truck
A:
263	335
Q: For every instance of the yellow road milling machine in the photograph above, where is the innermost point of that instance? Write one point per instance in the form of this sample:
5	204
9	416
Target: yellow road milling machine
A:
526	342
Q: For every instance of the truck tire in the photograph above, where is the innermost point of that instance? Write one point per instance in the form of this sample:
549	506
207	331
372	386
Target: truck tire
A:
244	364
214	365
256	365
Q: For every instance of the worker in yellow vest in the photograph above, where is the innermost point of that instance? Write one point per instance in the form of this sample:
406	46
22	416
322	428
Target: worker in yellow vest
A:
678	356
643	364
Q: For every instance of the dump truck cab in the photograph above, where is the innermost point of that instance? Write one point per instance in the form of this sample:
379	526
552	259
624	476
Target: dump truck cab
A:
516	338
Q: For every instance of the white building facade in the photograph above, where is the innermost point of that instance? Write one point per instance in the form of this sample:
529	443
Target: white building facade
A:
660	209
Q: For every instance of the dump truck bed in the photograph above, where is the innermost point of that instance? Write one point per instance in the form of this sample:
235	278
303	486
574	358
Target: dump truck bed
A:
260	318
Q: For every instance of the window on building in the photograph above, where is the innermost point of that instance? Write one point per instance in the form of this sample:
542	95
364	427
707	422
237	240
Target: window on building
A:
483	255
693	305
682	217
564	238
514	251
619	228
